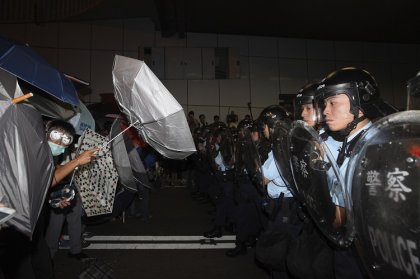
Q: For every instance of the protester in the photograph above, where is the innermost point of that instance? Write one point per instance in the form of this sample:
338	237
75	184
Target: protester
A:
60	136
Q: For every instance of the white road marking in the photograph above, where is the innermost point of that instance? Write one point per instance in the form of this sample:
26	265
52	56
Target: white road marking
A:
112	242
158	246
152	237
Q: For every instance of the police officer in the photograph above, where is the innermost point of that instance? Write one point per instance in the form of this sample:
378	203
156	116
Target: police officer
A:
303	104
268	119
348	99
221	190
282	205
246	196
318	260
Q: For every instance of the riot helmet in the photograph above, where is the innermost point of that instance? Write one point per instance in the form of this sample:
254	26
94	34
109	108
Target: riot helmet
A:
245	128
217	125
361	89
303	104
245	124
272	116
306	94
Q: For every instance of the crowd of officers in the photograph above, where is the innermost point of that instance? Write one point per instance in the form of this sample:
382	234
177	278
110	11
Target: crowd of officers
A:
235	170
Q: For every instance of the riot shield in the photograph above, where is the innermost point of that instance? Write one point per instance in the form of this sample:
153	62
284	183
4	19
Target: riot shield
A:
227	148
221	148
241	142
413	93
385	174
319	184
282	157
248	157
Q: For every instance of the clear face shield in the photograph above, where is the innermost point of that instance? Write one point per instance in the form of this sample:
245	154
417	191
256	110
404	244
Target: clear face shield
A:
249	157
324	98
413	93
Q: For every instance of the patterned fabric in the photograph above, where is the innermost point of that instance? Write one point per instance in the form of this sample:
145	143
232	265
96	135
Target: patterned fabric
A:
97	180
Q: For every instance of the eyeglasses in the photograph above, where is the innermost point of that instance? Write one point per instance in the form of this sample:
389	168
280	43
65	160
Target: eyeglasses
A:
56	135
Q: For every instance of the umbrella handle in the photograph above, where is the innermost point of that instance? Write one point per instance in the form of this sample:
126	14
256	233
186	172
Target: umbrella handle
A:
120	133
22	98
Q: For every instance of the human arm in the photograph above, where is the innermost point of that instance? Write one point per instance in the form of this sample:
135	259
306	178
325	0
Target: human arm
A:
340	217
269	170
266	180
64	170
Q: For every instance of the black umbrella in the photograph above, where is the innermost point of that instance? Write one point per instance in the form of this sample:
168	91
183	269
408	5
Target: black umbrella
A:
26	160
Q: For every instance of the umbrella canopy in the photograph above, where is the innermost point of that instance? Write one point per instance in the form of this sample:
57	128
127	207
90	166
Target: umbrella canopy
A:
159	118
52	107
25	157
96	181
82	120
21	61
121	160
127	160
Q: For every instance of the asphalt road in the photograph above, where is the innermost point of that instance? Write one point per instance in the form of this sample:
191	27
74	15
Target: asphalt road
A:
169	245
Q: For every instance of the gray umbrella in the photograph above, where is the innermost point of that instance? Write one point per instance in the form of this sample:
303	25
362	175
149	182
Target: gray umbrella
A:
26	160
151	108
121	159
127	160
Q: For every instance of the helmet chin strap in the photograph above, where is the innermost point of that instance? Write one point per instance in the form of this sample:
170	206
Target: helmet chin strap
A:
342	134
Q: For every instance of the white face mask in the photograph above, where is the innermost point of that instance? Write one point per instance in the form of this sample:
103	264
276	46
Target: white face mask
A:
56	149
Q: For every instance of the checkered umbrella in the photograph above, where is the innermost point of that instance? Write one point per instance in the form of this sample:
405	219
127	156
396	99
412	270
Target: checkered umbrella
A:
97	180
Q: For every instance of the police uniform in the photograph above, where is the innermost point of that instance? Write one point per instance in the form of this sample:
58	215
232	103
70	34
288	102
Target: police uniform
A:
221	193
276	186
346	262
335	147
224	200
247	202
283	207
